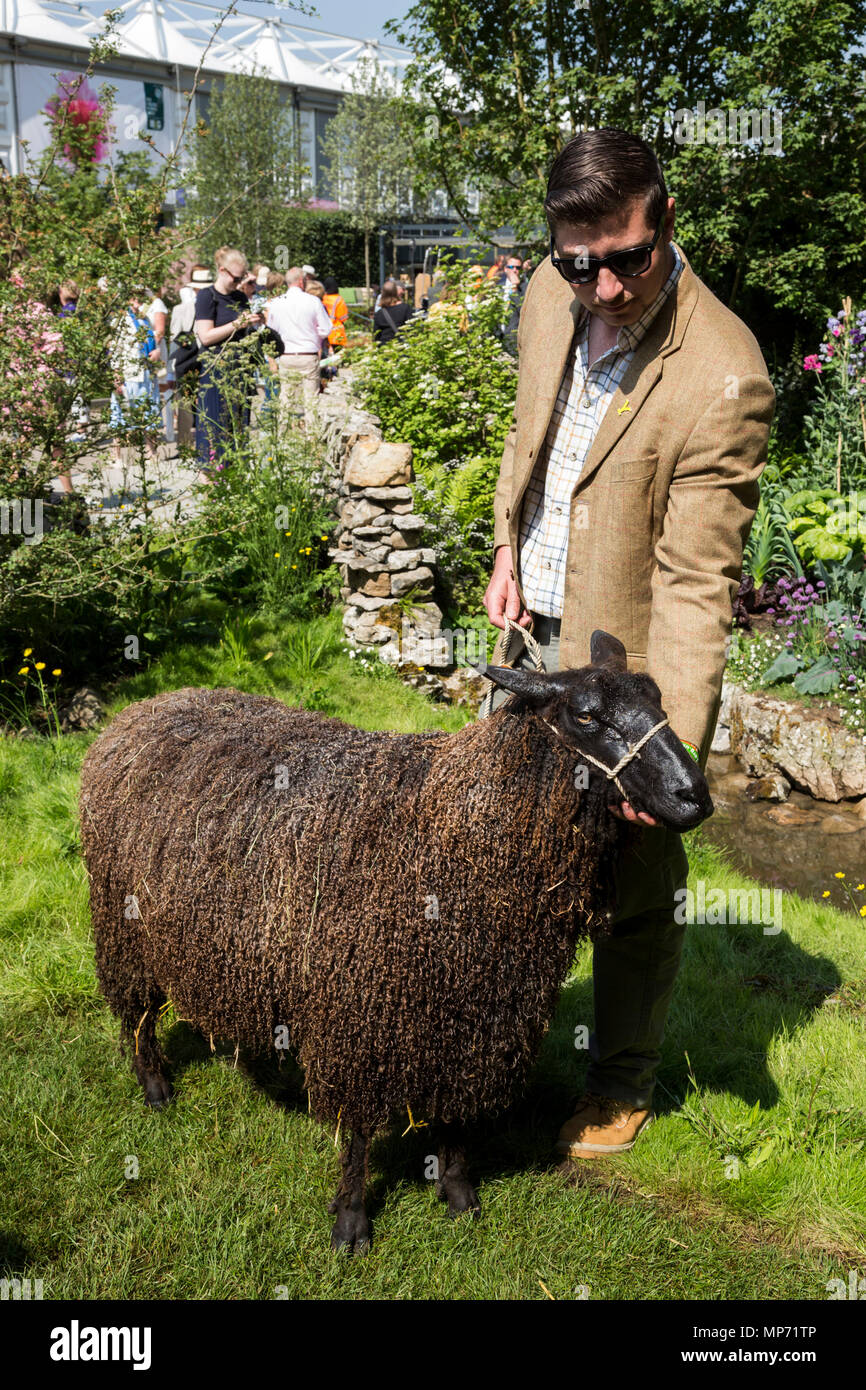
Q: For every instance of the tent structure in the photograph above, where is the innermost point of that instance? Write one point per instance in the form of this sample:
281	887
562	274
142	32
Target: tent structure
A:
161	44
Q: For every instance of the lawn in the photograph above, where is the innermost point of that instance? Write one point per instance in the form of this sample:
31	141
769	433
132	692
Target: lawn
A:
750	1185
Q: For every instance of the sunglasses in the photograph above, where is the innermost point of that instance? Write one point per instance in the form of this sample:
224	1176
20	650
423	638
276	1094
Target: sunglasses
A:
582	270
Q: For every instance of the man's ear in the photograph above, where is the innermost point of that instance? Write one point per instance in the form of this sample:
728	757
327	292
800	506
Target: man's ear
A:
608	651
537	687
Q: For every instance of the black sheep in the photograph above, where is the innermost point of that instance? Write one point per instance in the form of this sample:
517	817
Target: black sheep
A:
400	908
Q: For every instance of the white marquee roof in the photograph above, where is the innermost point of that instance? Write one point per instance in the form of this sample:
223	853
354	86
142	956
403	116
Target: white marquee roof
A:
178	31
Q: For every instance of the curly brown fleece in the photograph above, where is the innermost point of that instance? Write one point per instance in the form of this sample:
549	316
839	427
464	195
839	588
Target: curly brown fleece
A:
406	905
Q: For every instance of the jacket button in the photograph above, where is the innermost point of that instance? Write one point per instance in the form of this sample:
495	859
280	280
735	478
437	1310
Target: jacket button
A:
507	513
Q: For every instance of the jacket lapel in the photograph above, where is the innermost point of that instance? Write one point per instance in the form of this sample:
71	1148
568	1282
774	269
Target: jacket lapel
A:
664	337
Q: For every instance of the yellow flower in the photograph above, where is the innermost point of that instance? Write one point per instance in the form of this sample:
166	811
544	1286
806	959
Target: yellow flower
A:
57	672
40	665
860	887
24	670
276	555
288	533
294	567
323	538
28	651
294	509
826	894
838	875
863	912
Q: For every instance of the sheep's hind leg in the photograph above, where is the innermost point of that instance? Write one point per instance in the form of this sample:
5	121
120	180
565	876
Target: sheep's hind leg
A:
148	1058
351	1231
453	1185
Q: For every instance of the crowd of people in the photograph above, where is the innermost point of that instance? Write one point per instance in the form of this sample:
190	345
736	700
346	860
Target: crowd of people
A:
251	339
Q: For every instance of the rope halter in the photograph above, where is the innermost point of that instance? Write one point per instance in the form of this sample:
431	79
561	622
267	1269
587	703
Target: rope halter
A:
612	773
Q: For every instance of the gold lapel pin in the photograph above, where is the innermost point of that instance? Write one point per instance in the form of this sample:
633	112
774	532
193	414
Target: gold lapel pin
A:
622	408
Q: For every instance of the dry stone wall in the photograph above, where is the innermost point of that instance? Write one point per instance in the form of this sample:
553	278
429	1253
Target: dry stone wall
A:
388	573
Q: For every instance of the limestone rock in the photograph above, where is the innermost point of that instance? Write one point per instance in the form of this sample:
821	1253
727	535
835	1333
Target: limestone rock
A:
373	463
411	559
814	750
387	494
367	601
775	787
84	711
404	580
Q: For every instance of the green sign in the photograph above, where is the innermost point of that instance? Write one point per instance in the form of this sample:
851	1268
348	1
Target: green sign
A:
153	105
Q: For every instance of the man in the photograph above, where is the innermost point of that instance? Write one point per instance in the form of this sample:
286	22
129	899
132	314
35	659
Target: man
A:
513	291
627	489
303	324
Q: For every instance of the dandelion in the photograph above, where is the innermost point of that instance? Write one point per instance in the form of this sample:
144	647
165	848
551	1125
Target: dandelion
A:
826	893
24	670
288	533
294	567
57	671
860	887
323	538
863	912
40	665
840	875
276	555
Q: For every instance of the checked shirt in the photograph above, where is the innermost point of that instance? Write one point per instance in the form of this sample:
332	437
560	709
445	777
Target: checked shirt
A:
584	396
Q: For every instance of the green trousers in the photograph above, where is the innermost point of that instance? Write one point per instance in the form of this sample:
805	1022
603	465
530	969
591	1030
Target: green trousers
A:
634	968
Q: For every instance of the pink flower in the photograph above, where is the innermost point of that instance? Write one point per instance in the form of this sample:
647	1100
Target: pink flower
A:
811	363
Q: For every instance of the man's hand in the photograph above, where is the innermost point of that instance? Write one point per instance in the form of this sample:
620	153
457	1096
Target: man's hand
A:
501	598
627	812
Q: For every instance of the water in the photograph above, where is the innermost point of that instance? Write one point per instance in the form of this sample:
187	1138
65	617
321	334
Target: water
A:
796	845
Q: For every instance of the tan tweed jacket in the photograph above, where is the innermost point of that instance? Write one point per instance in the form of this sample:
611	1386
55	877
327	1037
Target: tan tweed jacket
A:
663	507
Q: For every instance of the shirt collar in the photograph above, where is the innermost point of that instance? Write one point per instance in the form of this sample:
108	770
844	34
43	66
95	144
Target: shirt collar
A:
630	335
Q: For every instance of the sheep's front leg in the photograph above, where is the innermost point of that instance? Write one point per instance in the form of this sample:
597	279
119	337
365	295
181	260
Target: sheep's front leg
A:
453	1185
351	1231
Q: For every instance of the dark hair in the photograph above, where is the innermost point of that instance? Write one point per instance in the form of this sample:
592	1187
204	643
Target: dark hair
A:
331	286
601	172
390	294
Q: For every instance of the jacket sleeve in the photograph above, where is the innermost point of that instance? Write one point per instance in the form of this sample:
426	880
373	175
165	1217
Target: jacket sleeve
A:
711	504
502	496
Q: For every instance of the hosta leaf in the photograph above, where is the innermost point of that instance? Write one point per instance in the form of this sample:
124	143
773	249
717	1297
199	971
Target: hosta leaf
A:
785	666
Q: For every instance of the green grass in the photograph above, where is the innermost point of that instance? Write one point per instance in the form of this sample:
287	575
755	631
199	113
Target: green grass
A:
234	1178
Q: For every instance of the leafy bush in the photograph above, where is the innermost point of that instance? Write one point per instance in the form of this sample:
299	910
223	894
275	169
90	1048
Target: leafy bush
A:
446	386
824	645
826	525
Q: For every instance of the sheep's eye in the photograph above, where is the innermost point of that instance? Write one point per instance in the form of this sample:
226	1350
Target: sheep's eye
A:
584	719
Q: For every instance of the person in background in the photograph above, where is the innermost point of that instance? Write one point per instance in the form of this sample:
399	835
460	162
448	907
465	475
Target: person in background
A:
275	285
309	271
301	322
338	312
316	288
513	291
391	315
156	313
223	317
261	273
528	267
131	355
496	270
68	295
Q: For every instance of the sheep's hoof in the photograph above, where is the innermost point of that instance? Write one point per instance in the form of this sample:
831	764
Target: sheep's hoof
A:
157	1091
461	1197
351	1232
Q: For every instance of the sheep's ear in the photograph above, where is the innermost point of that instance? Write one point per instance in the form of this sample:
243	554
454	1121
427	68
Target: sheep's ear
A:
605	650
534	686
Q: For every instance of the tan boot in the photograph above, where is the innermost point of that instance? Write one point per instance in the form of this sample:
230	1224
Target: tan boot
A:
601	1126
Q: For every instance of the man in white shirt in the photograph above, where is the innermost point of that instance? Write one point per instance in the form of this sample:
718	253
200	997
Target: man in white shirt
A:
302	322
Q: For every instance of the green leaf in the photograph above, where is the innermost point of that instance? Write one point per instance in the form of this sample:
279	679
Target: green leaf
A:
763	1153
785	666
819	679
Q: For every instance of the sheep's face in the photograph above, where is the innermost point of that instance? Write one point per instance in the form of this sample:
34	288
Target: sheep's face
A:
603	710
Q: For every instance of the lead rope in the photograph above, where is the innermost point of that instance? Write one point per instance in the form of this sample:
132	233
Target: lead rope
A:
534	649
611	773
532	646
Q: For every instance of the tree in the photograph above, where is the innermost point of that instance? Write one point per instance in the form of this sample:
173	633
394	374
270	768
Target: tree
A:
246	166
365	147
773	222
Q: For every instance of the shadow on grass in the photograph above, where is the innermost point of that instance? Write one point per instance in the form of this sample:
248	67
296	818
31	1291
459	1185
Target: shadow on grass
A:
737	991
